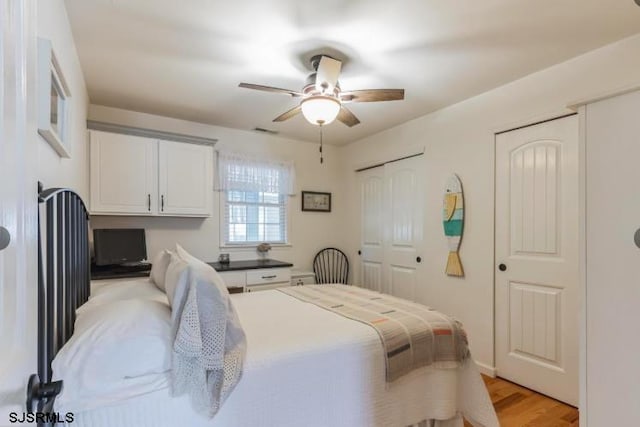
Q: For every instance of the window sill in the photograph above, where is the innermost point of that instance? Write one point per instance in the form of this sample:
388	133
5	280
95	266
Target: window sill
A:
242	246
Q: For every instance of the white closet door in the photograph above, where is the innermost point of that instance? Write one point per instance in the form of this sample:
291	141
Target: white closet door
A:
372	223
537	276
403	202
123	174
186	179
391	236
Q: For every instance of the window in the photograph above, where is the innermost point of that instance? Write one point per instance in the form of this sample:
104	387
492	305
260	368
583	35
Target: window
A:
255	217
254	199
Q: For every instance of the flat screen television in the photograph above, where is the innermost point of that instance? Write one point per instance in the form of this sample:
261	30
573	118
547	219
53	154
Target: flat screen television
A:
119	246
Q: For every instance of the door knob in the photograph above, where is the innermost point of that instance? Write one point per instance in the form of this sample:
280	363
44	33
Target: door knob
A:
502	267
418	259
5	238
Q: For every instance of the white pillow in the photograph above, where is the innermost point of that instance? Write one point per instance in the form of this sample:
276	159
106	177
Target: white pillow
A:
176	277
115	346
204	268
159	268
120	291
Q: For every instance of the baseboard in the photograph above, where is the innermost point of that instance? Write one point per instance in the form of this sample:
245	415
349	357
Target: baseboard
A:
487	370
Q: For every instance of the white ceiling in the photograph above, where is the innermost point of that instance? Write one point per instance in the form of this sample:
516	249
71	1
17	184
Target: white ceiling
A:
185	58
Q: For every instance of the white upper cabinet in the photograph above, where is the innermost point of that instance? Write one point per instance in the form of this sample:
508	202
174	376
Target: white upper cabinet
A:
186	179
132	175
124	172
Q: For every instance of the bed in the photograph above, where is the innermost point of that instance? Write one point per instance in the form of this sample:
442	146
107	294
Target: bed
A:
304	366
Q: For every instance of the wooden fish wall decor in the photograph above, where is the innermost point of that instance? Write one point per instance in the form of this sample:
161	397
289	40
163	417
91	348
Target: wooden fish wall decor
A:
453	222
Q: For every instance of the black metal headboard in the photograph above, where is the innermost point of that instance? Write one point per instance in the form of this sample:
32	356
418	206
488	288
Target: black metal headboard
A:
63	283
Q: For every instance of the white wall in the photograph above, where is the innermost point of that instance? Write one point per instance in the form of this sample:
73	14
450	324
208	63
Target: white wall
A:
309	231
460	139
54	171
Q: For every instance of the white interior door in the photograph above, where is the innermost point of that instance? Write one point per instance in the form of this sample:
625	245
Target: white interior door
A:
372	223
613	270
404	210
391	218
18	206
537	271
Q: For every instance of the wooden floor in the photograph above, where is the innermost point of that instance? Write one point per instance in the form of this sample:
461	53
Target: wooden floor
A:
520	407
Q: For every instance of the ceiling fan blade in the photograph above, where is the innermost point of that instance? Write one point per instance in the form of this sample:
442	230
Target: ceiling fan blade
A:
372	95
327	74
270	89
288	114
347	117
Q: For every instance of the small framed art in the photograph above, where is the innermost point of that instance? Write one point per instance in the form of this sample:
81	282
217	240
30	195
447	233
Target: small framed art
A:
313	201
53	100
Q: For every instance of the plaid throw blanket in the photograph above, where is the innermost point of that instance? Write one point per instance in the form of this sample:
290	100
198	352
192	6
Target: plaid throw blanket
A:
412	335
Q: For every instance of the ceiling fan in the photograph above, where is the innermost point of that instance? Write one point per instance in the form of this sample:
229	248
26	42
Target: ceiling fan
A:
322	99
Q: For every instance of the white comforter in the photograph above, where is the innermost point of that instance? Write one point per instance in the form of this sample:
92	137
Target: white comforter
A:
306	366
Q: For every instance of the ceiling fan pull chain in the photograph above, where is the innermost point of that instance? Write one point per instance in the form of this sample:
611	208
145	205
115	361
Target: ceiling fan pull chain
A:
321	159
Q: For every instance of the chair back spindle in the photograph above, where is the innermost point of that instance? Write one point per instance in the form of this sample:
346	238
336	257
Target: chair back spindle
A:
331	265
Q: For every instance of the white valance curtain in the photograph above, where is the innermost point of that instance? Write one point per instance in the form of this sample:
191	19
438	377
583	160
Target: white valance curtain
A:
244	172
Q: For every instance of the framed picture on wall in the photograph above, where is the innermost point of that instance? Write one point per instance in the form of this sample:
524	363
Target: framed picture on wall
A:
313	201
53	100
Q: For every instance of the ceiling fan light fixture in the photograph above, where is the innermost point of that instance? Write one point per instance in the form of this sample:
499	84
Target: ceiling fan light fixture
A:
320	109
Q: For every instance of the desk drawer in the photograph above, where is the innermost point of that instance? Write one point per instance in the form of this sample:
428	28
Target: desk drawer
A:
268	275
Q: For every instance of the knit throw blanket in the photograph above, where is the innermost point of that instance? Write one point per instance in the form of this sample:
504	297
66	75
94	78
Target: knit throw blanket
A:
209	345
412	335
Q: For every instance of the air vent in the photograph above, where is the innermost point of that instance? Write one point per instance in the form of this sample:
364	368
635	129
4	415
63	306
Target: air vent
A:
269	131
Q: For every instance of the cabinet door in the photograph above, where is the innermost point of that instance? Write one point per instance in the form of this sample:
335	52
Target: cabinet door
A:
186	179
123	174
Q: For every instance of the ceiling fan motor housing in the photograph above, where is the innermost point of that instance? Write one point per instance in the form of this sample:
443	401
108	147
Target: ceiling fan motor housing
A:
309	87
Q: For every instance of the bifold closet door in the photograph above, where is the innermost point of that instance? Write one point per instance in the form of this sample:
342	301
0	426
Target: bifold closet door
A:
372	228
403	201
392	227
537	270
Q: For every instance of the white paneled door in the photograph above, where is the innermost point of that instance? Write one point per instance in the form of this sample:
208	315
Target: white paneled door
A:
403	231
537	276
18	206
392	217
372	223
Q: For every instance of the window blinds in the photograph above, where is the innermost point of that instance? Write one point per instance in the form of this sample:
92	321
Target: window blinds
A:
255	196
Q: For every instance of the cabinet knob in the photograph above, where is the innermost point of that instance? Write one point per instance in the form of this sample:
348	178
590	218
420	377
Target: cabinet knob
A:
418	260
359	252
502	267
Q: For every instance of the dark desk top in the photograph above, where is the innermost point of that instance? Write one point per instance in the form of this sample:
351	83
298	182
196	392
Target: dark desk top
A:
249	265
119	272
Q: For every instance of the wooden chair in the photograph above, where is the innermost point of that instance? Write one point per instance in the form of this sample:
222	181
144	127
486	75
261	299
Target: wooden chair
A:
331	265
